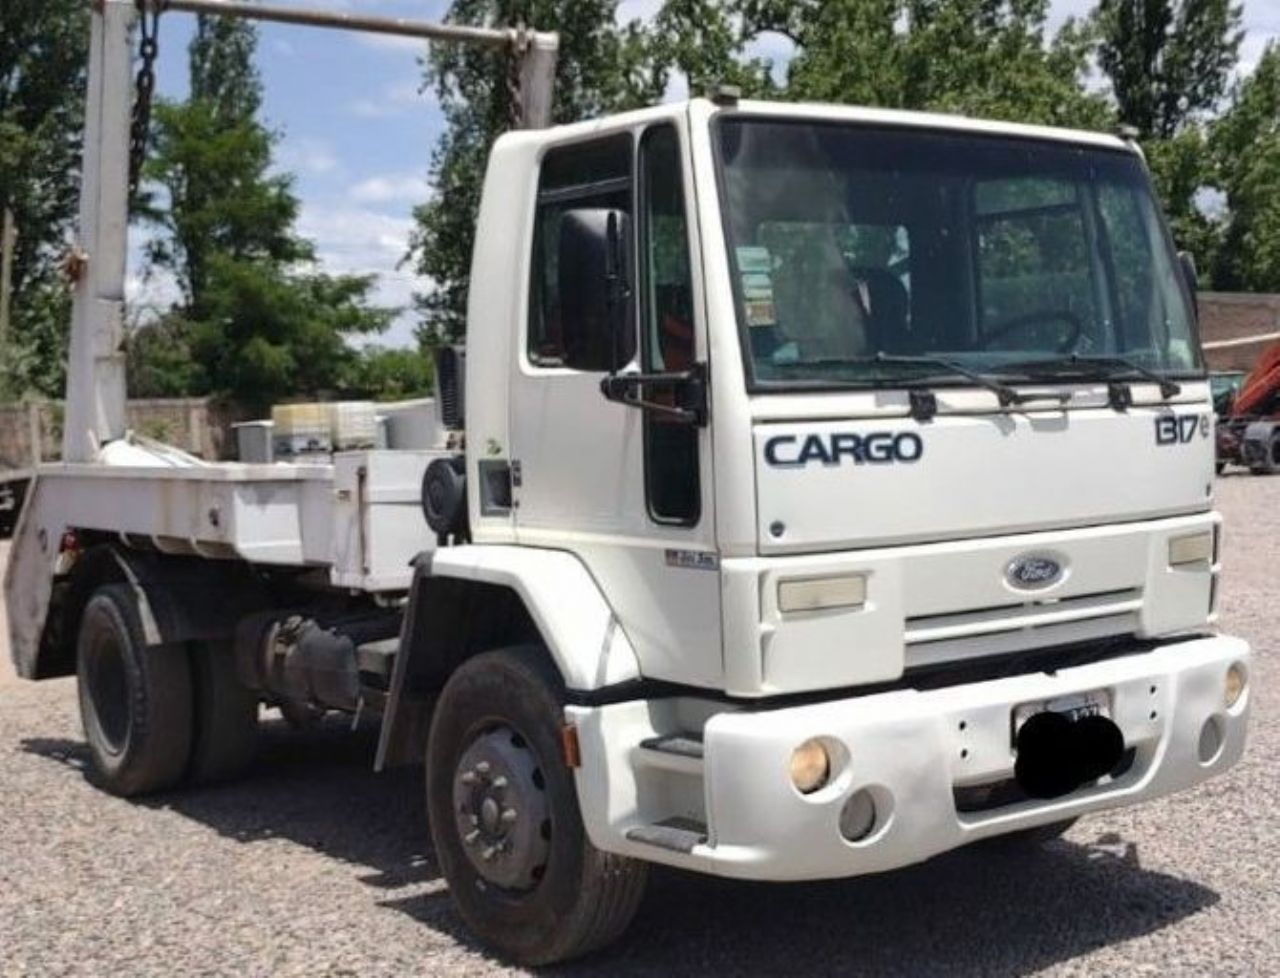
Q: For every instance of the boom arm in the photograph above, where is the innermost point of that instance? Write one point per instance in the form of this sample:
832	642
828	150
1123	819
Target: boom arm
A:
96	391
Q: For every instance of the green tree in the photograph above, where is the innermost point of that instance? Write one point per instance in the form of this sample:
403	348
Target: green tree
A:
602	68
42	79
982	57
388	374
211	159
1246	147
1169	61
257	320
704	41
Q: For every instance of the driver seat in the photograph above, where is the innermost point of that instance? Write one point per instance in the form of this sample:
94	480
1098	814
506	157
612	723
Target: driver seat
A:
887	305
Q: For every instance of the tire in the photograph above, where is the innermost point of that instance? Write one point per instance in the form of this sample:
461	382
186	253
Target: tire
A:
1032	838
1270	464
135	699
225	735
1273	456
509	705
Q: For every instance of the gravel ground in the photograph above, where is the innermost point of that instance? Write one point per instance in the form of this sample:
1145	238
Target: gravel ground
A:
315	866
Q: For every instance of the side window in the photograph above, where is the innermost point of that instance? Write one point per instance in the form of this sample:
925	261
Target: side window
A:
586	175
672	482
1036	283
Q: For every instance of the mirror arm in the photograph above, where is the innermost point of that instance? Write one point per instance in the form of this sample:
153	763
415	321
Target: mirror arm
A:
629	389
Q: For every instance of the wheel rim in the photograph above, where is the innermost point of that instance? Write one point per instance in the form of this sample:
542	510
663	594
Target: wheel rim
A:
108	683
501	810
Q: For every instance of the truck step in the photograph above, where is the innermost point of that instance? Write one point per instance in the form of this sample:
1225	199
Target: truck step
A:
681	744
679	753
675	834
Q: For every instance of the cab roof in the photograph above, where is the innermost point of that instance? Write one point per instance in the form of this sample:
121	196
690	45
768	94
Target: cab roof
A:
704	109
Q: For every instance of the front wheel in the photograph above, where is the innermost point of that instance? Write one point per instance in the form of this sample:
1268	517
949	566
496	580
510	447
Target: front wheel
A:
505	821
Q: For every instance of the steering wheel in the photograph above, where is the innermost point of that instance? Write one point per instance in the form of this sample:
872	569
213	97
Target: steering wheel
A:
1036	318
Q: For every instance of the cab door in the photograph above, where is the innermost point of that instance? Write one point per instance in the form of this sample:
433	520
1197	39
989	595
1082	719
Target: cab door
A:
629	490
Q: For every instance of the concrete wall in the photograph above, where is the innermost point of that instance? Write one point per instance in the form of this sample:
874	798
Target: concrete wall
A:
1237	326
32	432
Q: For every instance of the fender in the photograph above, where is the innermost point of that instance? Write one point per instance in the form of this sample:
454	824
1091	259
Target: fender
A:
465	600
573	618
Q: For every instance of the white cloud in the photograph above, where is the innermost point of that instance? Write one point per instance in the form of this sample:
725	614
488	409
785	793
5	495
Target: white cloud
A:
395	99
629	10
150	293
391	188
357	238
364	241
312	156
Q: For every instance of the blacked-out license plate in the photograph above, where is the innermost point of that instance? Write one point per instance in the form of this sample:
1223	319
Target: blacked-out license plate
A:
1096	703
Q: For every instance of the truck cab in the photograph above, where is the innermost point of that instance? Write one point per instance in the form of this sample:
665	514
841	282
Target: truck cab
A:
879	434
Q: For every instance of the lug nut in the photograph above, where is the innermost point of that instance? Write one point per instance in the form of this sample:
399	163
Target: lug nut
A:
483	767
471	837
469	778
510	815
499	782
488	853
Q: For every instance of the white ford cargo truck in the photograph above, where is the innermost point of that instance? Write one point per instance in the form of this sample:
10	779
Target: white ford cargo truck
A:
821	489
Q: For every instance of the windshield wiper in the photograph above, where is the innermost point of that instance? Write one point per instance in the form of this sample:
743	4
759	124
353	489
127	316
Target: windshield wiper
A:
1168	388
1004	393
924	404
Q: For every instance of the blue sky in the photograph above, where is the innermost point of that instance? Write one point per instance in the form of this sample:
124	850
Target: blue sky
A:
357	132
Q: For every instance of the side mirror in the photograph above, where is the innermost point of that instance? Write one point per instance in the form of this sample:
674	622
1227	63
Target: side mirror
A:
595	289
1190	275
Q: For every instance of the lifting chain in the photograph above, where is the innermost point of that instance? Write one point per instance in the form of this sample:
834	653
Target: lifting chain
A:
515	89
149	12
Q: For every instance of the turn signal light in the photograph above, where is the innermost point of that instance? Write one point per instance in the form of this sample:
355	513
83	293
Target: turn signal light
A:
1236	682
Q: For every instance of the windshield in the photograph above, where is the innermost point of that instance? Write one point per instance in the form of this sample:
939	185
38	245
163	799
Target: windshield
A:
852	245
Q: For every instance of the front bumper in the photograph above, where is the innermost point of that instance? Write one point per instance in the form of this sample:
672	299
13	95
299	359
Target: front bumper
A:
920	754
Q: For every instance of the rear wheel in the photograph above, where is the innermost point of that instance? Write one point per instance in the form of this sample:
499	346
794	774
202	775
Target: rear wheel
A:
505	819
226	716
135	699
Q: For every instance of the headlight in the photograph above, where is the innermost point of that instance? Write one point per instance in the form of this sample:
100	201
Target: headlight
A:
810	767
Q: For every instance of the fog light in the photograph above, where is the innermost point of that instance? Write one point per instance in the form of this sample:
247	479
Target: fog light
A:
1237	680
810	767
858	817
1194	549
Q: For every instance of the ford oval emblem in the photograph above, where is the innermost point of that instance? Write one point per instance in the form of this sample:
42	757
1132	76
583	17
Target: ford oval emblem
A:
1034	572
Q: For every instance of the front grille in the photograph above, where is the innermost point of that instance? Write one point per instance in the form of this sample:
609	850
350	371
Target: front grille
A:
933	639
